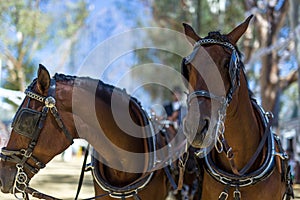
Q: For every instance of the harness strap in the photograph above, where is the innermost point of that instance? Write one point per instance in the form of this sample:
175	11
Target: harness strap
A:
61	124
229	154
172	182
6	155
39	195
181	164
136	197
258	150
237	194
224	193
82	172
289	192
96	197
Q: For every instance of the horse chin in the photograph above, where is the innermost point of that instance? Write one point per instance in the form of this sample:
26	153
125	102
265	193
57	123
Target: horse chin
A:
201	141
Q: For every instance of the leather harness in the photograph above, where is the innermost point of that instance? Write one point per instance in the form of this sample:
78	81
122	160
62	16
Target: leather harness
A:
31	129
29	123
241	178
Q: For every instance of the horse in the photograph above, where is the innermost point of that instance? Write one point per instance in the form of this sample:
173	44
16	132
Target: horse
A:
241	156
60	109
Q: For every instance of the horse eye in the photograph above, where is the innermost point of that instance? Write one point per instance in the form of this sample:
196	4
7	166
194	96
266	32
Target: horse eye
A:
227	65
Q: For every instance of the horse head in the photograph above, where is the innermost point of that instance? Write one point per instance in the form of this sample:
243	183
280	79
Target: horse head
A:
39	132
212	72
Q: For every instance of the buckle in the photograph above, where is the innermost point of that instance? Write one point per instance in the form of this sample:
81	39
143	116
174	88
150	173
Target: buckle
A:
223	196
236	194
25	153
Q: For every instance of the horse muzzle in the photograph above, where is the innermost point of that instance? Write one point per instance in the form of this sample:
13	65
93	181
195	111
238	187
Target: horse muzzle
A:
7	177
196	131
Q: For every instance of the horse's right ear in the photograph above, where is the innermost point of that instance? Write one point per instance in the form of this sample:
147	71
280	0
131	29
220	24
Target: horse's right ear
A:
43	80
190	34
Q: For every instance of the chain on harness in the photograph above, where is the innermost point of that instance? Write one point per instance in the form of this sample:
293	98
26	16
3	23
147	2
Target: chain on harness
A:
221	144
29	123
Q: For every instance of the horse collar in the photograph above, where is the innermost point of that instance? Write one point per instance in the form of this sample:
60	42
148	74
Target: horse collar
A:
246	179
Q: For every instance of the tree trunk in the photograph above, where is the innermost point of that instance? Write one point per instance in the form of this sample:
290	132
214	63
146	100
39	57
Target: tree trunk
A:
267	26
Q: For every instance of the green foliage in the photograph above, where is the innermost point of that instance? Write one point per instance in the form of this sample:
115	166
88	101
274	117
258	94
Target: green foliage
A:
171	14
74	19
29	26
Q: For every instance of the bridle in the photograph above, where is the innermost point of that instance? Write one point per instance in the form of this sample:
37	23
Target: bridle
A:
234	74
29	123
238	178
234	71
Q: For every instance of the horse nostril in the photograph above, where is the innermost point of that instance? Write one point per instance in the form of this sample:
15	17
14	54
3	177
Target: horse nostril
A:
203	126
206	123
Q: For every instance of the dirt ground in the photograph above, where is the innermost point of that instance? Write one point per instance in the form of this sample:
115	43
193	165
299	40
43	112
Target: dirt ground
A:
60	179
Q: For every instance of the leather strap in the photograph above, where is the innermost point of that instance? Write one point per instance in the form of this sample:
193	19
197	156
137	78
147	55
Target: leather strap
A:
82	171
172	182
258	150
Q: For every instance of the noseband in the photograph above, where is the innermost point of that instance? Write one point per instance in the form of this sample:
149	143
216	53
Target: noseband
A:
29	123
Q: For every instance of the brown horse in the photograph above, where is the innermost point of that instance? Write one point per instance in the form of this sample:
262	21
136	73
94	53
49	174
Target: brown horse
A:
243	159
57	110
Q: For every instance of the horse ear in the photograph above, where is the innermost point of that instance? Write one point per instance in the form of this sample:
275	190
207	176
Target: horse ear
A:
184	73
238	31
43	80
190	34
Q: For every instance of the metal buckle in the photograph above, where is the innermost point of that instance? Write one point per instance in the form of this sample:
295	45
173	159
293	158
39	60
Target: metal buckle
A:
229	154
283	155
224	195
25	153
237	193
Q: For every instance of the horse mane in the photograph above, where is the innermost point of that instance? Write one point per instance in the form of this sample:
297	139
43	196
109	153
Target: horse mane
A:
87	83
216	35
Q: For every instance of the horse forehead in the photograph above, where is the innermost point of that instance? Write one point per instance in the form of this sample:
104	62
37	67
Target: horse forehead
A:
208	60
216	51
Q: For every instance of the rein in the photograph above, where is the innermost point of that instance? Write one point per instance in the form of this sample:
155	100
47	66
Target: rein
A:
36	122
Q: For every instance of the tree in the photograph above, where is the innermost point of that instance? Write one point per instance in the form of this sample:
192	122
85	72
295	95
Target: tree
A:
171	14
266	42
29	26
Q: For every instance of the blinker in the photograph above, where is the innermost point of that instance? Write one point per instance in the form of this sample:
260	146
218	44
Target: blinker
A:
26	121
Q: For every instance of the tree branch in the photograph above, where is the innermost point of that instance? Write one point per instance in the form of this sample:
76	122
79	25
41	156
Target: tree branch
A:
286	81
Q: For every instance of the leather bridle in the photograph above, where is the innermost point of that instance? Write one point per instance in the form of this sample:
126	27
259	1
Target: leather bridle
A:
237	178
234	74
37	120
234	71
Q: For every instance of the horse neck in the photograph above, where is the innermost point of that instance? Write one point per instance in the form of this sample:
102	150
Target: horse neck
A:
242	129
101	116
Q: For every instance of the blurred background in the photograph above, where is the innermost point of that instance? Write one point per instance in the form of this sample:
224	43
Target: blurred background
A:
61	34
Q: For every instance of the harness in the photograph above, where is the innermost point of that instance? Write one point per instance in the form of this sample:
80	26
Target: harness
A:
29	123
132	189
241	178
